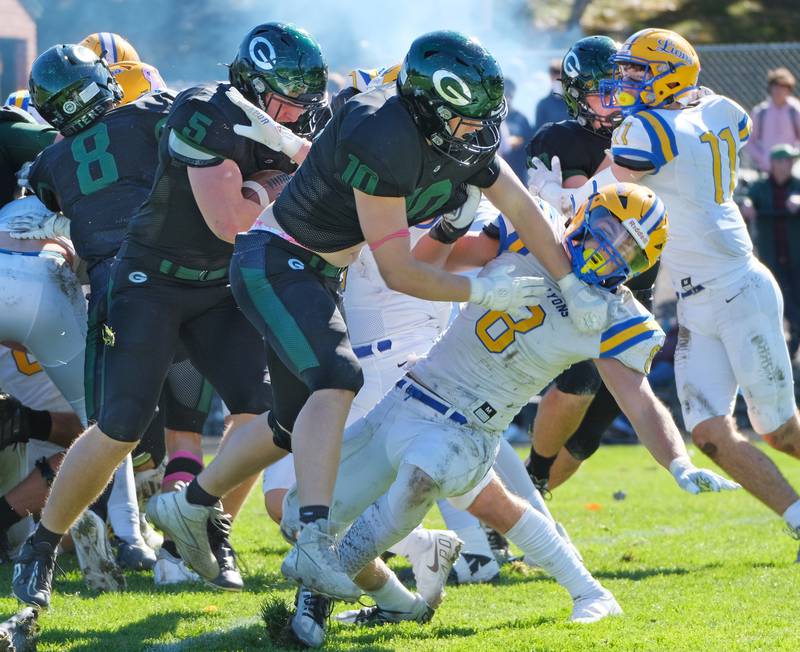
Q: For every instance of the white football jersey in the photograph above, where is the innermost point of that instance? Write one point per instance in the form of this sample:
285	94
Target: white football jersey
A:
489	364
374	312
23	377
694	153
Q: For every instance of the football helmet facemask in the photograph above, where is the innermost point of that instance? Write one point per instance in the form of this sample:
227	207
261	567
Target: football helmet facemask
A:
669	68
447	75
618	233
71	87
584	66
281	62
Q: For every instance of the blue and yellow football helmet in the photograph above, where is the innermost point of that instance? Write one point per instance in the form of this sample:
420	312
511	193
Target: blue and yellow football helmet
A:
618	233
671	69
111	47
136	79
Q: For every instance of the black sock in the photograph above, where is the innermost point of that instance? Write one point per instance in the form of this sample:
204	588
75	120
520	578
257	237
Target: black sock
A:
196	495
539	465
171	548
7	514
40	423
311	513
42	534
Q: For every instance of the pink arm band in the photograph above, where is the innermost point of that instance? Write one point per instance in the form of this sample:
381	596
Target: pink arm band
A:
402	233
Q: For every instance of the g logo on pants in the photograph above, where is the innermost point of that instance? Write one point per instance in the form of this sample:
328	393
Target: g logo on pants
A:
296	264
137	277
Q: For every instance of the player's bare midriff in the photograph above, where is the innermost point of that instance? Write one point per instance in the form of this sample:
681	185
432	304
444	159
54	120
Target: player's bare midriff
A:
343	258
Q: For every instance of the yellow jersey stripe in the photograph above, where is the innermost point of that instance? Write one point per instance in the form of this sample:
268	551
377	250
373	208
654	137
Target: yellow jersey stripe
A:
625	335
744	133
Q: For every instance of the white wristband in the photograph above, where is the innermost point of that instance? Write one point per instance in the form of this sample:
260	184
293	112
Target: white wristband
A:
679	465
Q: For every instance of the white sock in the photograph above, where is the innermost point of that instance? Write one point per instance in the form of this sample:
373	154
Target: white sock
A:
123	510
393	596
537	537
416	539
792	515
512	472
456	519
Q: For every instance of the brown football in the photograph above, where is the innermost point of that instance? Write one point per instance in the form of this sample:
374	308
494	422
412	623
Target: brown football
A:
265	186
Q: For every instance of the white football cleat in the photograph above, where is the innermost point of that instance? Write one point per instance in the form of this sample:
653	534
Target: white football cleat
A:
312	611
432	564
591	608
172	570
187	525
474	569
312	562
95	556
371	616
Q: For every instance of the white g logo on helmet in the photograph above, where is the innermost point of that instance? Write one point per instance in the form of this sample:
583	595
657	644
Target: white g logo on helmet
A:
451	88
572	66
262	53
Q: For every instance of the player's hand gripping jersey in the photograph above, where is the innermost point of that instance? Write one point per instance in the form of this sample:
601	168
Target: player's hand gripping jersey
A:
488	364
199	133
693	158
101	175
371	145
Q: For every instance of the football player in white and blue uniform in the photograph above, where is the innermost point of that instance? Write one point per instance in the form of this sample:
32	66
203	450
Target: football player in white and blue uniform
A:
683	142
436	433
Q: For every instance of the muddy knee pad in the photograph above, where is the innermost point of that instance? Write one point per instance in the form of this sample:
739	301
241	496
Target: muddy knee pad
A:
411	495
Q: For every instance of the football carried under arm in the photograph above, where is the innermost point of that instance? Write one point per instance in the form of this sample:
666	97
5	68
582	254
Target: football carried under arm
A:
218	193
655	427
383	222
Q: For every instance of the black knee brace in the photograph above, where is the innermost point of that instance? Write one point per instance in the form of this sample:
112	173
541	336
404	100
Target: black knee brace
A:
281	437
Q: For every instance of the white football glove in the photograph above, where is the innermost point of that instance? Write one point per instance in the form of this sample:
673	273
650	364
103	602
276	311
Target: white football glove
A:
695	481
500	291
546	183
53	227
587	305
263	128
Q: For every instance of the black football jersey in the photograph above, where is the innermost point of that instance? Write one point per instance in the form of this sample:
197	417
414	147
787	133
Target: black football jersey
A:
198	133
101	175
580	151
20	142
371	144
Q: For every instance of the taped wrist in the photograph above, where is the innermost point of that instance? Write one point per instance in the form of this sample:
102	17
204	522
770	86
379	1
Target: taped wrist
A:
47	472
444	232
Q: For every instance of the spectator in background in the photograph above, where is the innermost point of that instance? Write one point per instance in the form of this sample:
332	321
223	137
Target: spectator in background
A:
552	107
773	206
776	120
515	133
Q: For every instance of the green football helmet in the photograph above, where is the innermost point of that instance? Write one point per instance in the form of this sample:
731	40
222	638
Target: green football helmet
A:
71	87
586	63
447	75
281	61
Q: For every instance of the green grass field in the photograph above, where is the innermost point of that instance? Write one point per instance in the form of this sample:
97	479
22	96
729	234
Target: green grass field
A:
709	572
